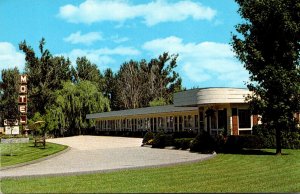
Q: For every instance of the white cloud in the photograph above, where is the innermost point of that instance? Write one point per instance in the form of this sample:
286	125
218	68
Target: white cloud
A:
202	62
118	39
102	57
10	57
87	39
152	13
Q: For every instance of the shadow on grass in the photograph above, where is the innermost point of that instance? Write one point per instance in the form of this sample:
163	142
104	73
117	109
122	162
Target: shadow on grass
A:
38	147
251	152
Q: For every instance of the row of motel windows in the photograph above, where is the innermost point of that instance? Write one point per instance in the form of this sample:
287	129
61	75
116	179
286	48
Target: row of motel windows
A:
179	123
168	123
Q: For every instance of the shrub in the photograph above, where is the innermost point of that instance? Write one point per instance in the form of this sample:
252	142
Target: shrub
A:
159	140
177	143
183	143
169	139
236	143
266	135
290	139
203	143
148	136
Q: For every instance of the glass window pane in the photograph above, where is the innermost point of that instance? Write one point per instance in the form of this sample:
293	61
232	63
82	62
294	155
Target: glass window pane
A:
244	118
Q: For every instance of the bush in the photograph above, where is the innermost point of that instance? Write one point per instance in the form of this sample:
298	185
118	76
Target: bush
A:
148	136
203	143
236	143
290	139
267	136
183	143
159	140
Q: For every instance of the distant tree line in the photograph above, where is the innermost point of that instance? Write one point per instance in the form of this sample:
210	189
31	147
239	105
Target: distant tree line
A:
62	94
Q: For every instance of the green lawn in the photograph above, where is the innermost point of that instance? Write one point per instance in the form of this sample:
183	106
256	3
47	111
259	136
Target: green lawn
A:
247	172
25	152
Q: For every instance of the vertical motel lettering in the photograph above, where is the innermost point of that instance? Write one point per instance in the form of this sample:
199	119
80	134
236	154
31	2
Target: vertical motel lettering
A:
22	99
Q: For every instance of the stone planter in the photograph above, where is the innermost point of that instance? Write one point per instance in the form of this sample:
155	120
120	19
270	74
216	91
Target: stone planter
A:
15	140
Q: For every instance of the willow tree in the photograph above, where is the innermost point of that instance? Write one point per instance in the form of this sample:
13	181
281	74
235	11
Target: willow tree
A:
268	44
73	102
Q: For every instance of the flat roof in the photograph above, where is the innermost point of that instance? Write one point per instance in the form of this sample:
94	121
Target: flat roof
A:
141	111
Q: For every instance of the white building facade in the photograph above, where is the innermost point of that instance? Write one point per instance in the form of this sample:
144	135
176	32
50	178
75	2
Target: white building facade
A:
214	110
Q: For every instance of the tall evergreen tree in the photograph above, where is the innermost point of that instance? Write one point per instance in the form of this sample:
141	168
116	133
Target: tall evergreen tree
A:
45	74
9	91
110	89
268	44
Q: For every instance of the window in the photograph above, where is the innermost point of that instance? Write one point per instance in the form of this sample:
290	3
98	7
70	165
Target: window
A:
201	120
139	124
176	124
188	122
222	119
160	123
196	121
170	121
180	123
244	118
213	121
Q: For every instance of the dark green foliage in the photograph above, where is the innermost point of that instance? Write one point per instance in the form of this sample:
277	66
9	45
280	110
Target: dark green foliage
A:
236	143
67	115
140	82
268	44
87	71
9	94
203	143
110	89
159	140
162	140
182	143
148	136
290	139
45	75
267	136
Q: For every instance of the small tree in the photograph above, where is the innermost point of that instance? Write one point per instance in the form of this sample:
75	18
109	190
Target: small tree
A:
268	44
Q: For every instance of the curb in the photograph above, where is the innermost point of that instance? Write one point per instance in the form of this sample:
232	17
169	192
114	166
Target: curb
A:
37	160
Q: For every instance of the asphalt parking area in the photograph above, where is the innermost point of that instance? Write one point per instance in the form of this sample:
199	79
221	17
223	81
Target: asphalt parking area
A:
100	154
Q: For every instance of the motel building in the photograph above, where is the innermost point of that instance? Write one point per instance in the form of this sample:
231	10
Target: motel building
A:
195	110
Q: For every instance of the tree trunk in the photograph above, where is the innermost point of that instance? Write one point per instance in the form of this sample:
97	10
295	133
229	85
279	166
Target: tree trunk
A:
278	141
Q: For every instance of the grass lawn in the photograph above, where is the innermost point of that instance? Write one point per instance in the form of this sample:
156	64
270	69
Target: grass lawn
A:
25	152
244	172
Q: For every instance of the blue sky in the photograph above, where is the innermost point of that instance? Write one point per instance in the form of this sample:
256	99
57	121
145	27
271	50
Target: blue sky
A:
112	32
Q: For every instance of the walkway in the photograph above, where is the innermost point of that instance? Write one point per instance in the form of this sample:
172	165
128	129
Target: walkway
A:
100	154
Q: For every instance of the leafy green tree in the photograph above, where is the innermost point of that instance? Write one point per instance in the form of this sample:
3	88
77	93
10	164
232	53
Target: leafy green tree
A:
45	74
130	85
110	89
268	44
85	70
158	102
39	129
73	102
139	83
164	80
9	93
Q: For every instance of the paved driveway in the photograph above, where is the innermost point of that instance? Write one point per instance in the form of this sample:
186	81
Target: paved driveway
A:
102	153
